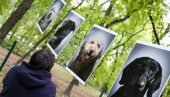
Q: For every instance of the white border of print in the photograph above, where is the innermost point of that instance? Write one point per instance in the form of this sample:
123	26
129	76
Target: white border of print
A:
52	49
71	35
147	44
75	75
54	17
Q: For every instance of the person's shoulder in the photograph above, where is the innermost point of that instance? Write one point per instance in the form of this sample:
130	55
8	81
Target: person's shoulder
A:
52	88
13	69
52	85
10	75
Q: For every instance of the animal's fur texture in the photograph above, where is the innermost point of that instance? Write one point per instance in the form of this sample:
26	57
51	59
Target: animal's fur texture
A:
143	75
49	16
84	63
62	32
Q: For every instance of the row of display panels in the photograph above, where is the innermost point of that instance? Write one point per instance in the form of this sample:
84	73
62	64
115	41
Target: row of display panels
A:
144	73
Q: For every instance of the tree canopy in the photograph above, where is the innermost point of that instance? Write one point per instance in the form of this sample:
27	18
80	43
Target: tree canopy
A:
132	19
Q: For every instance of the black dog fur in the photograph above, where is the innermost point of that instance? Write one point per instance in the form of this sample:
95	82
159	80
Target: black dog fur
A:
62	32
140	76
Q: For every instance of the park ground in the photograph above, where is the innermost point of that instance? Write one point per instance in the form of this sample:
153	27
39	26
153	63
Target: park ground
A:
61	77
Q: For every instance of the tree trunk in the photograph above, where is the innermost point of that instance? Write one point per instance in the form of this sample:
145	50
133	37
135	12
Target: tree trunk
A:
154	28
14	18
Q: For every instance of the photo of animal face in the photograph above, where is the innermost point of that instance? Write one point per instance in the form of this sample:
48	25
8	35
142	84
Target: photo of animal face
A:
62	32
48	17
142	75
91	49
89	53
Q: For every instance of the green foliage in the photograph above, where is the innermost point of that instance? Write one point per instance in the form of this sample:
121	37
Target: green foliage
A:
6	7
136	27
3	5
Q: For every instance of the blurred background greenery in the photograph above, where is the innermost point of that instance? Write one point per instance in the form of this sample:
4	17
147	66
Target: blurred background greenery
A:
145	20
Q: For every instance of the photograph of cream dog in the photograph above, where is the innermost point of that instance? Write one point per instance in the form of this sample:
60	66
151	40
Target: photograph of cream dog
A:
49	16
91	51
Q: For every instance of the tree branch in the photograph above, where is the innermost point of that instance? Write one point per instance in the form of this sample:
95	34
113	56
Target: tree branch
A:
78	5
91	8
153	27
108	11
123	34
104	3
165	32
120	20
131	36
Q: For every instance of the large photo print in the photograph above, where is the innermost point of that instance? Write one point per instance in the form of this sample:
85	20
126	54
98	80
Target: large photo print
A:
65	32
50	15
90	52
145	72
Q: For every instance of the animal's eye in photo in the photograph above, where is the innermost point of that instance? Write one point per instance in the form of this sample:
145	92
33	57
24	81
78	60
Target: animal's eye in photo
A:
140	65
98	45
150	72
153	68
92	42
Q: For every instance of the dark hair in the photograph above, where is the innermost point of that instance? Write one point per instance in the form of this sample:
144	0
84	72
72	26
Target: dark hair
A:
68	24
42	59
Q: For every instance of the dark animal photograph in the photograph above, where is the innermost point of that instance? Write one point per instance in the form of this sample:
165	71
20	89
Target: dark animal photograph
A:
62	32
145	72
91	51
65	32
50	15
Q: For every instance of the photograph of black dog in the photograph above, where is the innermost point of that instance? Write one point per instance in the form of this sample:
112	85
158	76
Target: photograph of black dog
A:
145	73
65	32
142	75
84	63
62	32
49	16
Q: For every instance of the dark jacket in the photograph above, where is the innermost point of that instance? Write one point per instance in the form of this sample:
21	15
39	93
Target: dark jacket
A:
24	81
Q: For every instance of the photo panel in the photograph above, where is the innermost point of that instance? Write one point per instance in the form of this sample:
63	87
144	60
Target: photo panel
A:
50	15
145	72
90	52
65	32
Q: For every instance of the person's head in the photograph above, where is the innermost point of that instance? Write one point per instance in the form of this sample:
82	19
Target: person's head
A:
42	59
